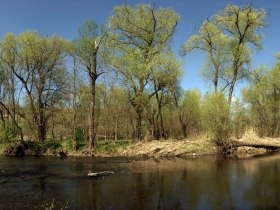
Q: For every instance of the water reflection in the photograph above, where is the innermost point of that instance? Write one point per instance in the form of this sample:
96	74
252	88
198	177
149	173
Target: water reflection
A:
202	183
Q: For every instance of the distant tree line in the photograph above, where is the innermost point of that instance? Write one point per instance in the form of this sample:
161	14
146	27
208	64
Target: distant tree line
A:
122	81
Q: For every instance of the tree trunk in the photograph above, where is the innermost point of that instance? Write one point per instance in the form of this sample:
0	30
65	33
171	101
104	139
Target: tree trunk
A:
183	126
13	102
42	123
235	72
138	130
216	79
162	133
159	118
53	126
91	117
116	128
74	102
14	120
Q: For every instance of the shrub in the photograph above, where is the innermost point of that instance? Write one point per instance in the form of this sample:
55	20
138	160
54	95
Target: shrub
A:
216	119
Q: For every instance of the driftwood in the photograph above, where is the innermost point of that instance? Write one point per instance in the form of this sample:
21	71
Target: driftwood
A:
237	144
101	173
62	154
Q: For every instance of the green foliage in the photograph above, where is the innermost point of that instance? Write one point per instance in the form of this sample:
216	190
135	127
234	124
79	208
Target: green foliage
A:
52	144
243	23
7	132
80	135
190	113
210	39
45	99
36	64
89	46
239	118
263	97
227	38
216	118
140	37
112	146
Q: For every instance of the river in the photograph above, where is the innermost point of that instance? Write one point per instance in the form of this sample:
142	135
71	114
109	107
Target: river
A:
208	182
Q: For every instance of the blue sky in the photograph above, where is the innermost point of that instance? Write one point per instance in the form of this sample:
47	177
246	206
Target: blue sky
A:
63	17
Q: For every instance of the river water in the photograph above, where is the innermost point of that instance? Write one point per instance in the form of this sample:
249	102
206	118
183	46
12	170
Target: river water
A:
195	183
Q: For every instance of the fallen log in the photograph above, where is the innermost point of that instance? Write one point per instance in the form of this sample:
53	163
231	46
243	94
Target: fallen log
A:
255	145
101	173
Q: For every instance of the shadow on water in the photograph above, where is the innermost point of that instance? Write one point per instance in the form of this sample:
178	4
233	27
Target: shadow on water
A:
195	183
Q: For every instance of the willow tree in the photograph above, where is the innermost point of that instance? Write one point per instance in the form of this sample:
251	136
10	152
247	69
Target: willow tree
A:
39	63
242	25
8	83
139	34
166	70
228	38
89	47
211	40
263	97
190	113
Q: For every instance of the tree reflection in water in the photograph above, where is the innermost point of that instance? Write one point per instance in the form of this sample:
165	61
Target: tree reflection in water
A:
200	183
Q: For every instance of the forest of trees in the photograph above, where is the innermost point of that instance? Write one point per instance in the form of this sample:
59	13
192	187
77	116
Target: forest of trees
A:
122	80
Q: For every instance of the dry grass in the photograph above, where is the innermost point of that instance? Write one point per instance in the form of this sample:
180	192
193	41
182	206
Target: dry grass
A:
199	145
169	147
251	136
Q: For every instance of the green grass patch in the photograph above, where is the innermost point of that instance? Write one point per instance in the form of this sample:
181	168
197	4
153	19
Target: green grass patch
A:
66	145
53	144
112	146
2	147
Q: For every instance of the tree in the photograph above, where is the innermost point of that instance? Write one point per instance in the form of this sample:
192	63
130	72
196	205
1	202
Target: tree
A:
190	113
213	41
9	87
263	97
139	35
165	73
88	49
38	65
239	118
115	112
241	24
227	39
216	119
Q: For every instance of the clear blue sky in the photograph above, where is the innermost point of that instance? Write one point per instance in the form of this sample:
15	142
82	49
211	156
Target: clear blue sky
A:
63	17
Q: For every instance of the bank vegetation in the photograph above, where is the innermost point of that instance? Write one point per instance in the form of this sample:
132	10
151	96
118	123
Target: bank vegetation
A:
118	84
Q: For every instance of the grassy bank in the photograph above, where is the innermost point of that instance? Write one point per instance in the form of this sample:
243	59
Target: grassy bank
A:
129	148
122	148
170	147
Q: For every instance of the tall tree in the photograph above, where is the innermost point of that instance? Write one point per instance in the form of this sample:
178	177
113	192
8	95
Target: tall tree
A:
190	113
40	70
242	25
88	49
211	40
8	101
263	98
165	73
227	39
139	34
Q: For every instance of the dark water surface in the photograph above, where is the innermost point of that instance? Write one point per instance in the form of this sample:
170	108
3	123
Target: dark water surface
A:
194	183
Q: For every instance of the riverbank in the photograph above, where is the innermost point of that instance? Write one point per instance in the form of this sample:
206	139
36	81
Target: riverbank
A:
128	148
165	148
120	148
252	139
